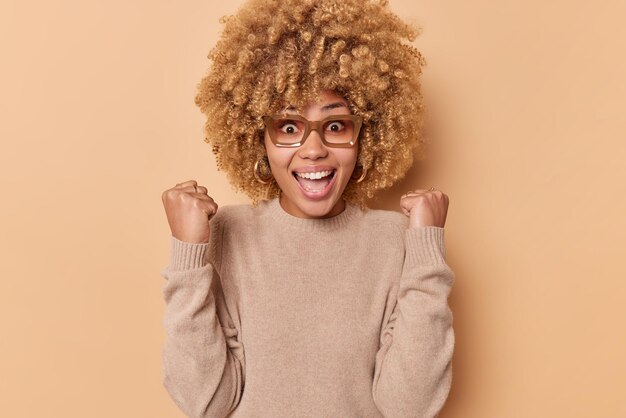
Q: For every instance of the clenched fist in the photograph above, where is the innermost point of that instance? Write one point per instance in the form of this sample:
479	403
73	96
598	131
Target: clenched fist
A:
189	208
425	207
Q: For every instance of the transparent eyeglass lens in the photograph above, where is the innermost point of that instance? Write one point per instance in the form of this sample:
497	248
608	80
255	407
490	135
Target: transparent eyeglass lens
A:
291	131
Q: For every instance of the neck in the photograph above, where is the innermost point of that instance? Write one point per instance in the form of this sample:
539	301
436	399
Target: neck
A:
292	209
326	224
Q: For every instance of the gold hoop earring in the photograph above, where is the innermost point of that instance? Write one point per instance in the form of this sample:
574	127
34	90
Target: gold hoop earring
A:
266	176
363	174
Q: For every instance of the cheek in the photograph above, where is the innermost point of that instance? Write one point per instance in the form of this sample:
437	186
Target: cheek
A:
347	158
279	158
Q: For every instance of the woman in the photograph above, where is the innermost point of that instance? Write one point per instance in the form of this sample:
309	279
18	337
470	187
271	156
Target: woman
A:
306	303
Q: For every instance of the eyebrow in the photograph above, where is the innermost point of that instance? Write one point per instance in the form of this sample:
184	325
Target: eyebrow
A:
325	108
334	106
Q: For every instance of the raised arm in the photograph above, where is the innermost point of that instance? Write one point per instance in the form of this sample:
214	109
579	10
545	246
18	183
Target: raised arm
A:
203	364
413	371
203	360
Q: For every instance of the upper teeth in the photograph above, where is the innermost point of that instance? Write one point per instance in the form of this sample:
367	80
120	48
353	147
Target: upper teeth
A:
316	175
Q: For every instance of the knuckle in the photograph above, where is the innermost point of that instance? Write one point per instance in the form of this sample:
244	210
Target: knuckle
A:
181	197
168	194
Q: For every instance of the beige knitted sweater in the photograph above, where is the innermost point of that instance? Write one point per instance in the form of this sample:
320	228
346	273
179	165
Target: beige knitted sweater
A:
280	316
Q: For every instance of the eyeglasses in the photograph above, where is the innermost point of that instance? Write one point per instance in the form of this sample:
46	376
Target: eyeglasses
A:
340	131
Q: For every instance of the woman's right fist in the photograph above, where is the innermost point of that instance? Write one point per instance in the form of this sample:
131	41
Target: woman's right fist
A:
189	208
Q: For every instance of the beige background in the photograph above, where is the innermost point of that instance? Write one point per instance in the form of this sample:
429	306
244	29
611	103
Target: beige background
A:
97	119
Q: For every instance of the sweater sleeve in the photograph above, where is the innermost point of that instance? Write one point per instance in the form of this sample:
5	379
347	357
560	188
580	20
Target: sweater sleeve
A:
203	364
413	370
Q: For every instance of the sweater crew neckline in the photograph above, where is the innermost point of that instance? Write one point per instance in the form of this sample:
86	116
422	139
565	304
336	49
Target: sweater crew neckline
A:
277	213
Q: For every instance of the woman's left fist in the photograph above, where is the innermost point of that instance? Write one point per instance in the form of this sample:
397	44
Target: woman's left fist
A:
425	207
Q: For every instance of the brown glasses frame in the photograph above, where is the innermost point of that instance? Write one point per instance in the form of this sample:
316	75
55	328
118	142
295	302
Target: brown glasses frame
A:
314	125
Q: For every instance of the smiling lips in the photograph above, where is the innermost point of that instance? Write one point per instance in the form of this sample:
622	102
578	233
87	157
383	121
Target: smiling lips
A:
314	175
315	184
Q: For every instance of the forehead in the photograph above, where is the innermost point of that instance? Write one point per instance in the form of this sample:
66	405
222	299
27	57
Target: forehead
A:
325	101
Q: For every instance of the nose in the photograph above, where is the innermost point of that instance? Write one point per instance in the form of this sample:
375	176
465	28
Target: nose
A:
313	147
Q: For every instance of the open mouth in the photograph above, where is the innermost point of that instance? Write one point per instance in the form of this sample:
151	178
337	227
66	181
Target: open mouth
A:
315	182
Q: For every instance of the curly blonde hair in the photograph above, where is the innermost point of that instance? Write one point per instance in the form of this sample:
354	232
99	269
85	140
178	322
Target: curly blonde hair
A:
273	52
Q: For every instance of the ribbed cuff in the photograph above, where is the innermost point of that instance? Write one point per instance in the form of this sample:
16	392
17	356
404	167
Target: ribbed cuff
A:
425	245
187	255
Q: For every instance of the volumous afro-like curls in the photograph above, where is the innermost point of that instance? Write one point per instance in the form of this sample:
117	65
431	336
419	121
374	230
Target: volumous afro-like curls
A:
273	52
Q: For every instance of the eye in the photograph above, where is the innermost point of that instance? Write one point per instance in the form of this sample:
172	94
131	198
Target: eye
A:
336	126
288	127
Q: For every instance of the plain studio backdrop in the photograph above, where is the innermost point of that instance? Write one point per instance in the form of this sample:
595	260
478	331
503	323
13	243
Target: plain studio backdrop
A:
526	138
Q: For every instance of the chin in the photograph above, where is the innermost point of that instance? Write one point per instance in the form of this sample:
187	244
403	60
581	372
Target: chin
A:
317	209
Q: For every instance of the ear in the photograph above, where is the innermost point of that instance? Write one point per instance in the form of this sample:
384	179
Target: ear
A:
262	138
